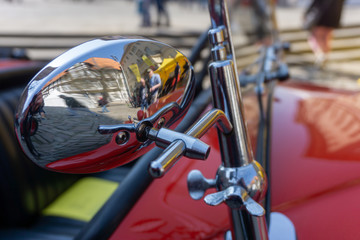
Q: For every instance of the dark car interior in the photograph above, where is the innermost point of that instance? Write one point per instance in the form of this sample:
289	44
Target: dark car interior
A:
39	204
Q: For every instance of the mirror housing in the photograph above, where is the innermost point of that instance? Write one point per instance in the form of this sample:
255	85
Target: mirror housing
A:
84	111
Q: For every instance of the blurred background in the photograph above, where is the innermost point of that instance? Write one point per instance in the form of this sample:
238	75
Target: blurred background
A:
40	30
43	29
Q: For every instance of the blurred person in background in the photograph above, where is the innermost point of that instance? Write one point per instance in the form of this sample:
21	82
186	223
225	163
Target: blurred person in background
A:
162	11
252	18
320	19
144	10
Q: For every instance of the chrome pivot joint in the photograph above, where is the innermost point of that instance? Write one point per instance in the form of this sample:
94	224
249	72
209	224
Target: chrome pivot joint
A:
239	188
184	144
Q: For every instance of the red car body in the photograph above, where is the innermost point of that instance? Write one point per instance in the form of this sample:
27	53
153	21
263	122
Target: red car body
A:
314	173
315	160
314	178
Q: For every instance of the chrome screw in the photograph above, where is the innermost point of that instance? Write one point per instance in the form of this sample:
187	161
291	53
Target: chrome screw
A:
122	138
161	123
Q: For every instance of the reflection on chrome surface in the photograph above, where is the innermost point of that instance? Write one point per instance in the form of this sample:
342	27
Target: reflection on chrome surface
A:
103	82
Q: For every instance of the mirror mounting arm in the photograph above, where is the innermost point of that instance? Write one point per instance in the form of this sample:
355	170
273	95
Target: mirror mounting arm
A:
142	127
193	147
108	129
185	144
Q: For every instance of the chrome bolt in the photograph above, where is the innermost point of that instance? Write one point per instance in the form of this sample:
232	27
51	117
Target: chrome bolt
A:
122	138
161	123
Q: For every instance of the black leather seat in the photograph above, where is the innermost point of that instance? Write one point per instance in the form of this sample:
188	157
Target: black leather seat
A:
26	189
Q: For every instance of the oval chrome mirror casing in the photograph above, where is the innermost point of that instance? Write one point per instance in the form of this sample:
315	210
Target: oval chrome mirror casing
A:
104	83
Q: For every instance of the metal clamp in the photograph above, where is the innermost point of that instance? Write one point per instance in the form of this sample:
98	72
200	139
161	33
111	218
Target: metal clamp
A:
187	144
239	187
236	197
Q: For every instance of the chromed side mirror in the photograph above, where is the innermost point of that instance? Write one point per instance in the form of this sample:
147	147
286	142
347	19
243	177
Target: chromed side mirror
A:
84	111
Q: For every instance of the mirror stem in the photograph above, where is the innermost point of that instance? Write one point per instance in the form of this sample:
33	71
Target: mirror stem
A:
187	144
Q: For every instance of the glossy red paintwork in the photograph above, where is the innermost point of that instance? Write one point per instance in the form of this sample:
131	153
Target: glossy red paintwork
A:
166	211
320	193
101	159
315	168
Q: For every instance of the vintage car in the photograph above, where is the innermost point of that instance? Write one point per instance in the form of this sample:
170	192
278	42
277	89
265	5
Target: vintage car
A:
110	176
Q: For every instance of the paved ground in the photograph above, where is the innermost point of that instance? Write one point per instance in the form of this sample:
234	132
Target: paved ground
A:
111	17
107	16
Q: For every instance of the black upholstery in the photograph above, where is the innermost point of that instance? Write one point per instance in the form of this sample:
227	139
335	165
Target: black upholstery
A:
46	228
25	188
19	74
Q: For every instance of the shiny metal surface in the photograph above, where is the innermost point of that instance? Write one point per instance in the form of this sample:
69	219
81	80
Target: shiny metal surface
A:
194	148
214	116
281	227
239	187
198	184
226	96
165	210
217	35
167	159
240	178
220	20
217	40
251	177
236	197
179	144
101	84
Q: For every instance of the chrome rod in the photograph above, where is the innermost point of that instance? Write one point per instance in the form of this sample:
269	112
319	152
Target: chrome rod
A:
226	88
226	96
208	120
167	159
179	144
220	18
236	151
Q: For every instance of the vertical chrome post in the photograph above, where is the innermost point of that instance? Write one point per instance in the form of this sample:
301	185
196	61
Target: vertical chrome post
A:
226	88
226	96
235	147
